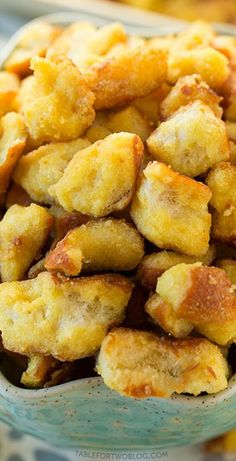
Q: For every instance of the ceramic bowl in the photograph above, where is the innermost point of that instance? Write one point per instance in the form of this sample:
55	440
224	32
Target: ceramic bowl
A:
86	414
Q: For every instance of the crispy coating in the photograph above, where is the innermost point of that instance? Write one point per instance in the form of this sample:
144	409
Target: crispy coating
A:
207	62
192	140
171	211
53	315
38	371
130	120
85	44
23	232
96	132
59	106
43	167
152	266
162	313
36	269
16	195
199	34
106	244
221	180
149	105
201	295
101	178
188	89
229	266
140	364
12	143
35	41
128	75
9	87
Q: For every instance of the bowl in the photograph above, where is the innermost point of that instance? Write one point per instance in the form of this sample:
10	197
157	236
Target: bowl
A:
86	414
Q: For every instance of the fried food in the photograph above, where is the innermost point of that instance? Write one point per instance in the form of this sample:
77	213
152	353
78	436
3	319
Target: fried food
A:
188	89
23	233
13	136
140	364
202	296
102	245
130	120
34	41
59	106
128	75
102	178
16	195
207	62
67	319
229	266
38	371
192	140
171	211
43	167
154	265
221	180
9	87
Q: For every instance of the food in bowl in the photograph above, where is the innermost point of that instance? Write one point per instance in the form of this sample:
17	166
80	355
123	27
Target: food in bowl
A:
118	199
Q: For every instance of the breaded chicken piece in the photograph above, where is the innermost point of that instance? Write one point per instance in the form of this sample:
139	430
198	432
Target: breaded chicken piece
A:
54	315
59	106
229	266
188	89
125	76
43	167
85	44
38	371
171	211
221	180
9	87
103	245
23	232
34	41
130	120
96	132
199	34
101	178
201	295
140	364
232	153
192	140
13	136
207	62
152	266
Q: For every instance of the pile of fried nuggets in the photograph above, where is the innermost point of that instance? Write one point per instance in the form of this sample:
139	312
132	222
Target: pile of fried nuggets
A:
117	168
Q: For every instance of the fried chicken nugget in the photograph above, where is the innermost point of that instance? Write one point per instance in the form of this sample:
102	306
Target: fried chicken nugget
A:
64	318
43	167
106	244
128	75
59	106
188	89
221	180
130	120
140	364
9	87
154	265
103	177
23	232
35	41
192	140
202	296
13	136
171	211
85	44
229	266
207	62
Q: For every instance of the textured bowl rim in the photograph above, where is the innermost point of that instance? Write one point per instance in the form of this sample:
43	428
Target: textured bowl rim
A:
11	391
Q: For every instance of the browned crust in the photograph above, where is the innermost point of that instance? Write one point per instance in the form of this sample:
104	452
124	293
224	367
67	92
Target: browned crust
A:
148	273
17	195
210	297
109	279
